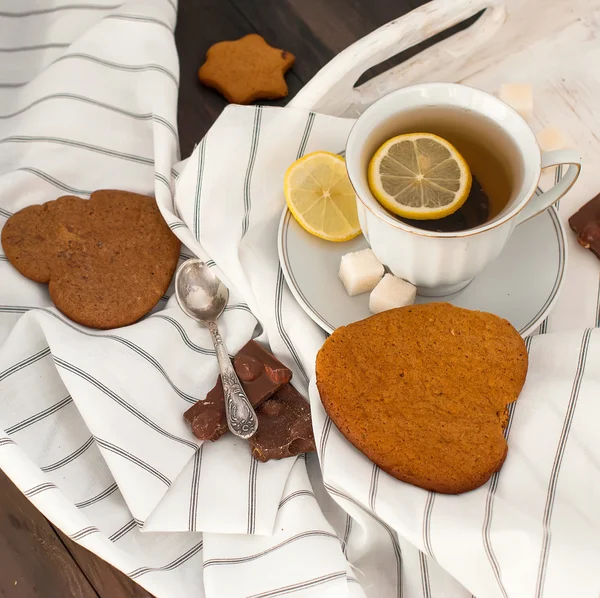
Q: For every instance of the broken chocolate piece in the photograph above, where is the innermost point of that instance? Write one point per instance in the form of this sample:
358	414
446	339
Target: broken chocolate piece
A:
586	223
261	375
247	368
207	418
284	427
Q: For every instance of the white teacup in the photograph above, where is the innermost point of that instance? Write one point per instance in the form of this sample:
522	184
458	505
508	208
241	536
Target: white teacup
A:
443	263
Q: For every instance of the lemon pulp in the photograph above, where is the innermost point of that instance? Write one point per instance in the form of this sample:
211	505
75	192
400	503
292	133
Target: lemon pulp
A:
321	198
419	176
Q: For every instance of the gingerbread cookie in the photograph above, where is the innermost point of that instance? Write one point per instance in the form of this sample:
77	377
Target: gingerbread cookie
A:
422	391
107	260
247	69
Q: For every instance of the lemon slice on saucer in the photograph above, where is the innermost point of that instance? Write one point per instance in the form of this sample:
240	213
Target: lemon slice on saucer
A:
419	176
321	198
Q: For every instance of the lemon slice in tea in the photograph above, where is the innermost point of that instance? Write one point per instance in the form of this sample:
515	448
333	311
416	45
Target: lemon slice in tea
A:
321	198
419	176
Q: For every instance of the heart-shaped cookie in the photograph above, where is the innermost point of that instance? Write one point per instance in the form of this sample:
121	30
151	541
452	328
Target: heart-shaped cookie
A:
423	392
107	260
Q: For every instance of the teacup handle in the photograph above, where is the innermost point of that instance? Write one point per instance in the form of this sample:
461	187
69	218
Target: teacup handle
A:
539	203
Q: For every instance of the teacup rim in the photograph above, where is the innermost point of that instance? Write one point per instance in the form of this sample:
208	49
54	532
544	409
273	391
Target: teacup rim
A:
388	219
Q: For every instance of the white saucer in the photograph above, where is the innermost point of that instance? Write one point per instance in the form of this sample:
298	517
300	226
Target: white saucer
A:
521	285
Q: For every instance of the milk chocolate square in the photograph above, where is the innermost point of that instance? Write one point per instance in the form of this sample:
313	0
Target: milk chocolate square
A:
284	427
586	223
261	375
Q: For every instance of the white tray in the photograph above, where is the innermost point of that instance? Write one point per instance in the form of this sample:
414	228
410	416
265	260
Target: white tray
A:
552	44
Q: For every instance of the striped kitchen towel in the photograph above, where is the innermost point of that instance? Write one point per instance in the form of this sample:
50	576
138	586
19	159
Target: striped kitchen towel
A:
90	421
531	531
91	426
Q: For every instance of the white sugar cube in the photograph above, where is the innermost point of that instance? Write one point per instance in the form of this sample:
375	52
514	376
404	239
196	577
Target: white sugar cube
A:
391	292
551	139
519	96
360	271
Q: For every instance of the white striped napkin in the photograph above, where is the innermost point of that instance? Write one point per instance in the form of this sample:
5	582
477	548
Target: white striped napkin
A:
91	426
531	531
90	422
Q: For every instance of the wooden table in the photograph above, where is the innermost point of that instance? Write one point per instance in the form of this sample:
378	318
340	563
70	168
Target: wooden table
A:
35	558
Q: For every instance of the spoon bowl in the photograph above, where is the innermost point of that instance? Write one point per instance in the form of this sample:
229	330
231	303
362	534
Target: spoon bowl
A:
200	294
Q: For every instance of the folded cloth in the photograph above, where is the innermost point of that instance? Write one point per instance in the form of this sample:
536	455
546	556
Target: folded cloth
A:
523	533
533	529
91	426
91	422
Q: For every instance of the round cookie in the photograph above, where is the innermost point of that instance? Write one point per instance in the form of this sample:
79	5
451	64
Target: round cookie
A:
422	391
107	260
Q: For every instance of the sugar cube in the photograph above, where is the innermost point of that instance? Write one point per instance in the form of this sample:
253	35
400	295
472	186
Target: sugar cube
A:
391	292
519	96
360	271
551	139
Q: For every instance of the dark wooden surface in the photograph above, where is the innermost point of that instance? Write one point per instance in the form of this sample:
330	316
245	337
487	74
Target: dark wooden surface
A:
35	559
313	30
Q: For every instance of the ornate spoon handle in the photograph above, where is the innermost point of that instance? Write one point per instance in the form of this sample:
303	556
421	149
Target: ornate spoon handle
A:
241	417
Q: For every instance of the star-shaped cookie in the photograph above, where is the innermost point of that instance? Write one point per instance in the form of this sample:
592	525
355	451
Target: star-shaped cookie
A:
247	69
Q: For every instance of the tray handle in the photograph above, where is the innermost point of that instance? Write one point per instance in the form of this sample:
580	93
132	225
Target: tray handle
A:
331	90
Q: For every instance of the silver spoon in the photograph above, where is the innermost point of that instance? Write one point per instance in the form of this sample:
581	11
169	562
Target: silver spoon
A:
203	297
